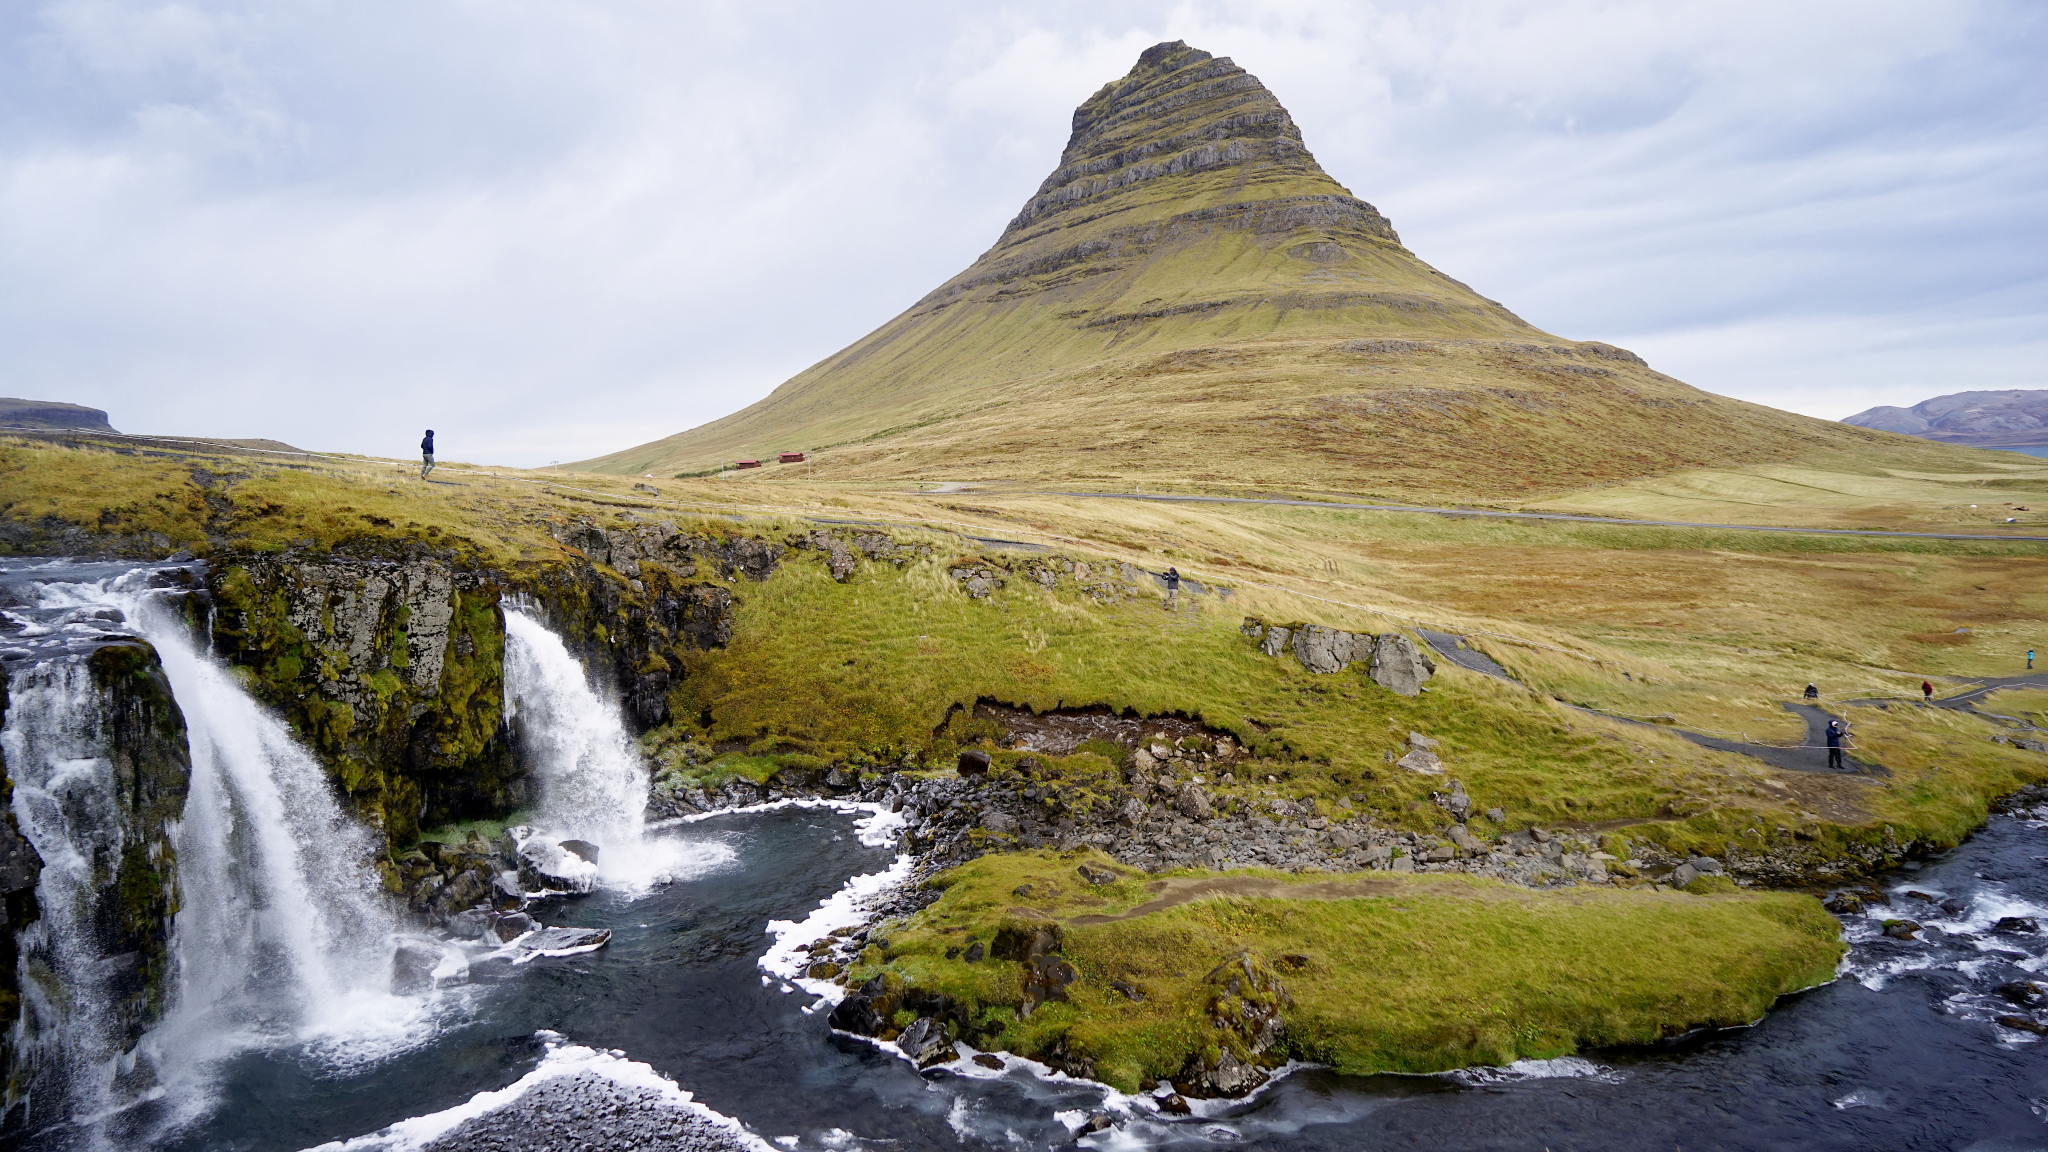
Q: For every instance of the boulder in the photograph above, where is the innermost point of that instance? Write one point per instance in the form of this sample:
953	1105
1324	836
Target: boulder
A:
1705	865
1497	815
1095	1122
2024	993
1097	876
564	941
1900	929
1402	864
1193	802
1275	642
1326	650
1418	740
506	927
1398	666
2023	1024
2016	925
412	967
1440	854
1423	761
1046	978
545	866
1131	811
583	850
1683	874
974	762
855	1014
1458	804
999	823
1378	855
469	924
1024	935
925	1042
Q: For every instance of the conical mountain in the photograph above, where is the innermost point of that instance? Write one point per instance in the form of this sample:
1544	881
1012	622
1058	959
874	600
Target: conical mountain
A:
1190	297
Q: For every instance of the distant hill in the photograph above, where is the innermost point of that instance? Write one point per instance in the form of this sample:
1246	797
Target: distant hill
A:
47	415
1190	297
2010	419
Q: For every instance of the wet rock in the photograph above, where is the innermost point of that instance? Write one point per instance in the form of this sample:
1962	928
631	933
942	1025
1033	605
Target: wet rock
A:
565	940
2023	1024
1845	904
508	927
412	967
1398	666
1095	1122
855	1014
1954	907
822	970
469	924
1173	1104
1900	929
989	1060
2024	993
925	1042
2016	925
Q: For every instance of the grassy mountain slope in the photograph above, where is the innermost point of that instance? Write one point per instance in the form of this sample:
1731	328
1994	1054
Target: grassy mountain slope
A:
1189	297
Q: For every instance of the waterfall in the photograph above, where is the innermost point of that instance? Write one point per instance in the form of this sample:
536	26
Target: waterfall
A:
283	934
66	803
593	781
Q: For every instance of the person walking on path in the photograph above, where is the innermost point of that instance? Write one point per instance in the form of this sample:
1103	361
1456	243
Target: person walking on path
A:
1812	693
1172	587
1834	745
1926	692
427	454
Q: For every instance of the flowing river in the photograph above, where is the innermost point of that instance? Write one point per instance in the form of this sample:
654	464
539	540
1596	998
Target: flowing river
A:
283	1033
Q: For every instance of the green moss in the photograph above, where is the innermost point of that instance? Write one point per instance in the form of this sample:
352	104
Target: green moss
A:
1413	974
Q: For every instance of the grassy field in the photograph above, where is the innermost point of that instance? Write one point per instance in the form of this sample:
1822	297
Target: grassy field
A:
1389	974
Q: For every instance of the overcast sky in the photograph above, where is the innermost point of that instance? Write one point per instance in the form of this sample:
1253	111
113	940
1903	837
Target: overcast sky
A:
554	229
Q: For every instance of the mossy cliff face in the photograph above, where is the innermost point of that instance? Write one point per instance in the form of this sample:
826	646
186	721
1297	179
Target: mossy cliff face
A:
391	672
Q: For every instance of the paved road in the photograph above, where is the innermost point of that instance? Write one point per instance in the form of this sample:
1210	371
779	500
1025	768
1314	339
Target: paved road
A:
1483	514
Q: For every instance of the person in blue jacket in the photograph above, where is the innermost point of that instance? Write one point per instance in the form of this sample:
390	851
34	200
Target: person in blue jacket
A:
1834	745
427	454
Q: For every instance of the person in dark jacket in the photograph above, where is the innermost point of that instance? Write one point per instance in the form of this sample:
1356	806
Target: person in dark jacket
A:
1834	745
1172	587
1926	692
427	454
1812	693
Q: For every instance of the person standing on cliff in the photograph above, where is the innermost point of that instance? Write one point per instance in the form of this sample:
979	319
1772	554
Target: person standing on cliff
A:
1172	587
1834	745
427	454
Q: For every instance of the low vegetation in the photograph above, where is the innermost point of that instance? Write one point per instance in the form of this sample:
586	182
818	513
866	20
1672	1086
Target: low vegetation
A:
1380	974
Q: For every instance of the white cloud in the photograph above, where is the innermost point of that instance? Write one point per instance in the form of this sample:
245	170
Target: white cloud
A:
554	230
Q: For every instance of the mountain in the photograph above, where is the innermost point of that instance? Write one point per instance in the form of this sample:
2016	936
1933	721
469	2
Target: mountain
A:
2014	418
1189	297
47	415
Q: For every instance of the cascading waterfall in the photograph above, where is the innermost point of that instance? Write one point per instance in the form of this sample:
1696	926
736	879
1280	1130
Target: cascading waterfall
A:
283	934
593	780
65	803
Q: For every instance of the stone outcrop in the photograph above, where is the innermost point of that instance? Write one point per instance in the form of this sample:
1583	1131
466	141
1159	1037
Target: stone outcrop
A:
392	672
1103	582
1395	662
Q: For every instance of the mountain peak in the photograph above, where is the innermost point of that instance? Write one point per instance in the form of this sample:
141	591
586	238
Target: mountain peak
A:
1190	297
1178	111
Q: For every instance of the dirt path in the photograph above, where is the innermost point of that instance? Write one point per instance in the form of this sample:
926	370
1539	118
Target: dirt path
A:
1491	515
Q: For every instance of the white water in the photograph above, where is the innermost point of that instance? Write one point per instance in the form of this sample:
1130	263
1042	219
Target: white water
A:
283	935
593	781
66	802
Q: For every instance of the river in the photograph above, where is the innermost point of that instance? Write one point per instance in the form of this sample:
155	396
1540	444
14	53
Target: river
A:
1901	1052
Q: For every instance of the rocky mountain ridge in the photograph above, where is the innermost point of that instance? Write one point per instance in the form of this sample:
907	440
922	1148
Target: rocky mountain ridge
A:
2012	418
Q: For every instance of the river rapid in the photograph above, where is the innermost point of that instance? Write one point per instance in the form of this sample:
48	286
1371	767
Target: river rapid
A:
688	1016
